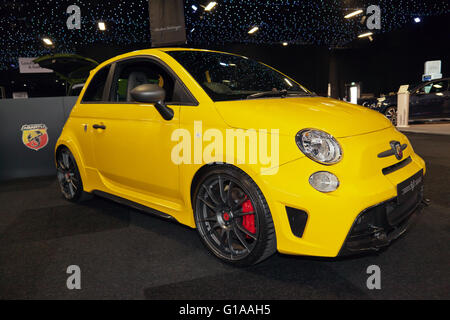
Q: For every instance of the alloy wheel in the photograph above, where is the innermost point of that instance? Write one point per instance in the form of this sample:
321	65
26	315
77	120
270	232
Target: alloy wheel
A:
68	176
226	217
391	114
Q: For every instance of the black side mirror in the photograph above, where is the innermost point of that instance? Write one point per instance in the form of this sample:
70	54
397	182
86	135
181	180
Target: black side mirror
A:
152	93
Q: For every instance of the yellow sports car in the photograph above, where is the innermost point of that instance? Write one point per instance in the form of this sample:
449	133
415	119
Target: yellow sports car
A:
241	152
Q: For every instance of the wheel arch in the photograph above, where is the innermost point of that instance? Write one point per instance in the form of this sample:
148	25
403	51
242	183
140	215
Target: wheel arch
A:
206	167
76	154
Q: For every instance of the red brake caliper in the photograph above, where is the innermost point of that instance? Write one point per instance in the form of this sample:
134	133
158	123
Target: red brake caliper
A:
248	221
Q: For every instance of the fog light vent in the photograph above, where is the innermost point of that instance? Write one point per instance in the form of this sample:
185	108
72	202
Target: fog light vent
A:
297	220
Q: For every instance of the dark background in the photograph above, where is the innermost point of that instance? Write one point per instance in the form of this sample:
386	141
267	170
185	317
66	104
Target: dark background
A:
381	65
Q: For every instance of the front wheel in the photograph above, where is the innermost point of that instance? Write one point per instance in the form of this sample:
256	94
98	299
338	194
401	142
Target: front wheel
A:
233	217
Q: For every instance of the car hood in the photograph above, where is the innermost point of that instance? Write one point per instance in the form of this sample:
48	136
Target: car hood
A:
291	115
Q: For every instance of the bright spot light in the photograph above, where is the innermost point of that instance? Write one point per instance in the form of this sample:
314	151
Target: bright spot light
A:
102	26
253	30
210	6
365	35
354	13
47	41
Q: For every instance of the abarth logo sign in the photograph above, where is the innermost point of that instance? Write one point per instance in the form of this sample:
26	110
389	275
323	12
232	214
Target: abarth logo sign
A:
397	148
34	136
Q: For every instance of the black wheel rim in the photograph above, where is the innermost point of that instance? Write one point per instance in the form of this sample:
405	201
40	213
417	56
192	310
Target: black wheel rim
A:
67	174
391	114
226	217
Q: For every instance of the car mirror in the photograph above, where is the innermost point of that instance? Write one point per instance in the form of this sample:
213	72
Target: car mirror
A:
152	93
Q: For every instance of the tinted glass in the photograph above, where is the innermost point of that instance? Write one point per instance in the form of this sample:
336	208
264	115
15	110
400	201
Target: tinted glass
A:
94	91
440	86
229	77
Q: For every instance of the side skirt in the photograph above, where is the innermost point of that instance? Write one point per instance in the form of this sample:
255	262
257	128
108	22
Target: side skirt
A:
133	204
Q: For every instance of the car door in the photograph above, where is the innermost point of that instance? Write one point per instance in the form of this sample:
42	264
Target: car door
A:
132	142
81	120
428	101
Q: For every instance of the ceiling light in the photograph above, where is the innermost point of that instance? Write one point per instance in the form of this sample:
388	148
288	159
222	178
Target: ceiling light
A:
210	6
102	26
47	41
354	13
253	30
194	7
365	35
417	20
285	44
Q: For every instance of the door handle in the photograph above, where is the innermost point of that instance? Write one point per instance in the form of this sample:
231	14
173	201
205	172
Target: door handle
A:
99	126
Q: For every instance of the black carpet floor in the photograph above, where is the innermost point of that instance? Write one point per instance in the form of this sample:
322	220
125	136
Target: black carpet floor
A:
126	254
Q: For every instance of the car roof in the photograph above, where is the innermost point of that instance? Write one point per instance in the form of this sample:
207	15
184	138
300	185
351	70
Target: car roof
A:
153	51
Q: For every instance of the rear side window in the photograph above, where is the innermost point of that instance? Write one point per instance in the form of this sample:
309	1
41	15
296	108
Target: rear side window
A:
440	86
94	92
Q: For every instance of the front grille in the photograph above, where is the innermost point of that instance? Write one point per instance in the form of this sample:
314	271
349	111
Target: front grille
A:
397	166
377	226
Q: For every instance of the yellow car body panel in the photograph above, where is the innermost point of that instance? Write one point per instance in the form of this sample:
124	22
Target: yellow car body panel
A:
132	158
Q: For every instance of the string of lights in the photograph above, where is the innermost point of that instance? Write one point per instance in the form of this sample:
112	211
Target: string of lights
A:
316	22
23	24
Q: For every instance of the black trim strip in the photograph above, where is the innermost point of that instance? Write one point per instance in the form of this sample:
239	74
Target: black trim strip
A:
397	166
133	204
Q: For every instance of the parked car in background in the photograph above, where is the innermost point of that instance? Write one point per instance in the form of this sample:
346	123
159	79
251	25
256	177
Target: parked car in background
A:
429	100
75	89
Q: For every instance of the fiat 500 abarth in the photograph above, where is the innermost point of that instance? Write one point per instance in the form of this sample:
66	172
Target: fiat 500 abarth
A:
336	178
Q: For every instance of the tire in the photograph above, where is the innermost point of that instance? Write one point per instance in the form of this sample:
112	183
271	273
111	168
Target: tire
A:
236	224
391	114
69	178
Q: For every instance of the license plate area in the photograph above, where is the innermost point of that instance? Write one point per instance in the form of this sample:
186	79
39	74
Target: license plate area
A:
410	187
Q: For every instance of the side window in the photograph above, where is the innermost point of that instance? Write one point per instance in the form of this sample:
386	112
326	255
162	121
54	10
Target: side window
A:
425	89
94	92
130	74
440	86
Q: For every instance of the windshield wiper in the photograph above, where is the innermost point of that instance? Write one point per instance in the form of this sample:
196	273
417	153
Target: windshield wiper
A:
281	93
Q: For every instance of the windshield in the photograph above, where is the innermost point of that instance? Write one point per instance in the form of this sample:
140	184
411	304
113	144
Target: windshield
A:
230	77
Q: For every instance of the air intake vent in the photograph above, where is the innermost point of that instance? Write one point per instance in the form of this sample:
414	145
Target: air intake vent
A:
397	166
297	220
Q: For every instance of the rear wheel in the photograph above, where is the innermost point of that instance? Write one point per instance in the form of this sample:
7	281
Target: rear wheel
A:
69	177
233	218
391	114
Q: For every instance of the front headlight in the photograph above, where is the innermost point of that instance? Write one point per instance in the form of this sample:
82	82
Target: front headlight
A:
319	146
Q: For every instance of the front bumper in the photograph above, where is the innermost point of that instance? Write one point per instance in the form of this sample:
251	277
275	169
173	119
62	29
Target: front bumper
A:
331	216
377	226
